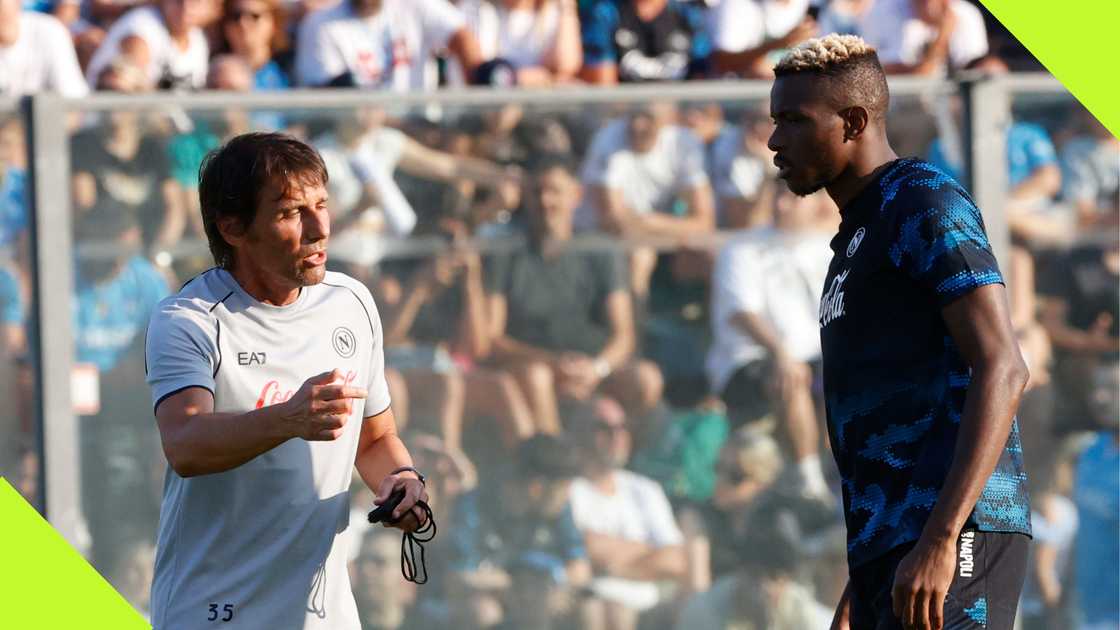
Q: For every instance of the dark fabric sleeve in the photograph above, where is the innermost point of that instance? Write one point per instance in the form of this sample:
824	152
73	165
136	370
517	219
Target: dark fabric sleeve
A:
938	238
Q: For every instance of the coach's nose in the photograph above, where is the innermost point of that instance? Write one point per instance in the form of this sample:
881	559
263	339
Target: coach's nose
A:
317	226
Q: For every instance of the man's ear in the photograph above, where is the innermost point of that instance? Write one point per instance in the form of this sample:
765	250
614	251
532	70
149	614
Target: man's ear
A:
231	230
855	122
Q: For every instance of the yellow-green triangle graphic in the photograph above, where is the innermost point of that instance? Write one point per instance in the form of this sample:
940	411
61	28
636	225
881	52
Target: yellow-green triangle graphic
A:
1075	41
46	584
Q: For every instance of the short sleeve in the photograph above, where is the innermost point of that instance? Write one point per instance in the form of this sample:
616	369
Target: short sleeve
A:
598	22
180	349
377	388
441	20
938	238
610	273
662	525
1038	147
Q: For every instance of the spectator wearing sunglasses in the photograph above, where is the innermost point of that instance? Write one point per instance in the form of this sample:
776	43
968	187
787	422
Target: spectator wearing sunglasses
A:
256	31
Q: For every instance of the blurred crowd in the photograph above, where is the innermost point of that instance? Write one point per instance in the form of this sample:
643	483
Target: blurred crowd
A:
600	322
74	46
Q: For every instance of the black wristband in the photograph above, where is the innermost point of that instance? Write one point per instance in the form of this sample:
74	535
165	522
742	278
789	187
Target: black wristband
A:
419	475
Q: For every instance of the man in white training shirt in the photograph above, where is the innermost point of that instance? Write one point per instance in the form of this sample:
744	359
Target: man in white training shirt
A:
267	376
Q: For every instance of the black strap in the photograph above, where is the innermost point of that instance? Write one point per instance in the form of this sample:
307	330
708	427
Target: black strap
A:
411	541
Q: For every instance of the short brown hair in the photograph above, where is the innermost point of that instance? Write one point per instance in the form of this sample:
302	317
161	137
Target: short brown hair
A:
232	177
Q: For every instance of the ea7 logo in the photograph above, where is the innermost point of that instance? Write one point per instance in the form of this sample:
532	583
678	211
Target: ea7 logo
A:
250	358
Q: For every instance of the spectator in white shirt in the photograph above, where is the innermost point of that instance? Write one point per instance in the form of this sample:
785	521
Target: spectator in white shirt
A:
164	39
538	39
925	37
644	177
765	293
628	526
36	54
386	44
747	35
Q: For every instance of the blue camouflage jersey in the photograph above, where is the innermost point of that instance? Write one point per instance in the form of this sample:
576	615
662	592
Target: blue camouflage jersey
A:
911	242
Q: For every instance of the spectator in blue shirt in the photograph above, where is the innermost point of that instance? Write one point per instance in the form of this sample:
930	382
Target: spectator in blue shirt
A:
13	183
643	40
1097	495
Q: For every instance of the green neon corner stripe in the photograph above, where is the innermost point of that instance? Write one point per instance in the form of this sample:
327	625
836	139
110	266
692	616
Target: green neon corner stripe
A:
46	584
1076	43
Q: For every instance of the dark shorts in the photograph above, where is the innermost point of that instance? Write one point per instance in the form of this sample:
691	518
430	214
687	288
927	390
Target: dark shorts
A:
984	593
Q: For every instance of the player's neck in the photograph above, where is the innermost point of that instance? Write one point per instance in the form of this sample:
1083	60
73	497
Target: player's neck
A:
862	171
257	284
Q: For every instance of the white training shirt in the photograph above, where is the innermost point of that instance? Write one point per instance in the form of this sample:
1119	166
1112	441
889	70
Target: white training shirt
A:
638	511
393	49
256	544
42	59
650	181
166	59
776	276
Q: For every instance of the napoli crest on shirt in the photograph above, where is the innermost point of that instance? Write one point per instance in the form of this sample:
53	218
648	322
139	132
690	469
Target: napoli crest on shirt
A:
857	238
344	342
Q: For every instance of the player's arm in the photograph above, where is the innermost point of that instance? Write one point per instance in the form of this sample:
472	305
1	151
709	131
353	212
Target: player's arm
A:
199	441
980	324
841	620
380	452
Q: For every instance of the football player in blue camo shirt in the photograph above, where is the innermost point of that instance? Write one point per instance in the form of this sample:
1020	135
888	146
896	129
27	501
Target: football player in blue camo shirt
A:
922	372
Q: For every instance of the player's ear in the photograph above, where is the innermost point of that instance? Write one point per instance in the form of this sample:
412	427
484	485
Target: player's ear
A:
232	230
855	122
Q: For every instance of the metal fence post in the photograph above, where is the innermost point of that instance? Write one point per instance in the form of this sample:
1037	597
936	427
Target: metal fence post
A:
987	117
52	267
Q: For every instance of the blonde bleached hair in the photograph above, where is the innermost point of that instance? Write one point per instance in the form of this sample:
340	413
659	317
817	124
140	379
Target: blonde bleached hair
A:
849	68
822	54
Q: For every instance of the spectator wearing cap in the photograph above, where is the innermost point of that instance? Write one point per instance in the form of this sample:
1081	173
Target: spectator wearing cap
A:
257	31
925	37
631	534
524	531
539	41
36	54
165	40
643	40
748	36
561	318
383	44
